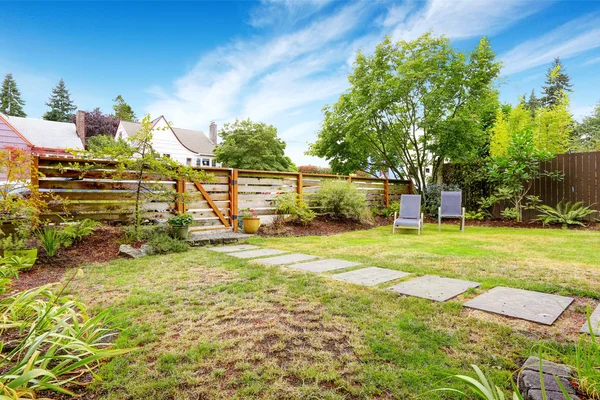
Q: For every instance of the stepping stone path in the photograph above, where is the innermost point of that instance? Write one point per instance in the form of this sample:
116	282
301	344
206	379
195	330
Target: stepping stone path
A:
530	382
286	259
595	320
433	287
330	264
231	249
257	253
524	304
370	276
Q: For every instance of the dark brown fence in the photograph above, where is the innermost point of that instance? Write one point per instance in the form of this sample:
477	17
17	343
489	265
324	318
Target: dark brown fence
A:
93	190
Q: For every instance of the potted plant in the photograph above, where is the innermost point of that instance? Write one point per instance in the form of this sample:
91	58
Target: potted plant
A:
181	225
251	221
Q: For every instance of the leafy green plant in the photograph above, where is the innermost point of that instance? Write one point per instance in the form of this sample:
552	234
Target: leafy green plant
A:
588	361
51	239
565	213
475	215
12	242
181	220
53	341
72	233
248	213
17	263
290	204
342	200
163	244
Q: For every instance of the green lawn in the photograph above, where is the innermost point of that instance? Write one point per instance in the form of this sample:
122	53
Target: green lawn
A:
211	326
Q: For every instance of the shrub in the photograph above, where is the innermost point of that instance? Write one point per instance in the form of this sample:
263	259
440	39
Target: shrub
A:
475	215
433	197
145	232
12	242
162	243
565	213
342	200
51	239
290	204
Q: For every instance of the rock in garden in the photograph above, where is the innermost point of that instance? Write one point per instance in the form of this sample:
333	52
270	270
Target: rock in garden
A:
130	251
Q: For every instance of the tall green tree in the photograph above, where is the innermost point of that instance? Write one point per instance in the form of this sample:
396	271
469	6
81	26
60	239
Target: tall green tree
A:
557	84
410	106
533	103
587	133
123	111
11	102
252	145
60	103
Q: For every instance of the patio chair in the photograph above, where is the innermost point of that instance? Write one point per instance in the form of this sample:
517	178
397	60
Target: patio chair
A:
410	213
451	208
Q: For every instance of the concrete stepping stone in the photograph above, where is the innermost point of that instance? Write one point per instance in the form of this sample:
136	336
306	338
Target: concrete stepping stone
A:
257	253
370	276
231	249
524	304
326	265
595	320
433	287
286	259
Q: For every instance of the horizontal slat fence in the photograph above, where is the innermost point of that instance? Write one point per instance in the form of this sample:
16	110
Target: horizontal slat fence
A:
94	189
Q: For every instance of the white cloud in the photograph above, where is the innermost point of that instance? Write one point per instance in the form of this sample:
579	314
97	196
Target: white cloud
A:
461	19
592	61
284	12
566	41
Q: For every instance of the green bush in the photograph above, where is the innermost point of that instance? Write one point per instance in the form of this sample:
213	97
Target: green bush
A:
181	220
144	233
162	243
290	204
433	197
342	200
475	215
565	213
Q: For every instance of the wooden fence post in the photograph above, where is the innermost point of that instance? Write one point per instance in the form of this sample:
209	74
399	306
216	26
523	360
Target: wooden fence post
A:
299	186
180	204
386	192
411	188
233	201
35	176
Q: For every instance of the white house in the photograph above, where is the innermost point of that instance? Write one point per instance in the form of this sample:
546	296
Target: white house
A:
184	145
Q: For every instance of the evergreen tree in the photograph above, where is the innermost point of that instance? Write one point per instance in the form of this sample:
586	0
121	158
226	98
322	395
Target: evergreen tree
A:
123	111
533	103
557	83
10	98
60	103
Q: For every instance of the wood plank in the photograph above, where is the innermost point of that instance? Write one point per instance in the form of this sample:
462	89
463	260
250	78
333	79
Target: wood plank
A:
579	188
267	181
200	205
111	207
265	189
211	203
209	213
96	185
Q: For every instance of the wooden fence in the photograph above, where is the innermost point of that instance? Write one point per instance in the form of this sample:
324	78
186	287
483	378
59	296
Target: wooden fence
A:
98	193
581	181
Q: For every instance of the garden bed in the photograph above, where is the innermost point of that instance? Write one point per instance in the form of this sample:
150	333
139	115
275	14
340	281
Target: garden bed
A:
100	246
321	226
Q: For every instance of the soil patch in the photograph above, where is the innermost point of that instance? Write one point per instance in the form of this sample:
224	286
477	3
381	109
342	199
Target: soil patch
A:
321	226
100	246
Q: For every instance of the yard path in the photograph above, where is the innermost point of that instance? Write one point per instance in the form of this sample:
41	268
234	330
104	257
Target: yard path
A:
542	308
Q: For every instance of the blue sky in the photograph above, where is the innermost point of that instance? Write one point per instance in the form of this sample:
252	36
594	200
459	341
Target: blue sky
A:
278	61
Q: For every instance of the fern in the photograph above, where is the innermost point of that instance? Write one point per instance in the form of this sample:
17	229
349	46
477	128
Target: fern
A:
565	213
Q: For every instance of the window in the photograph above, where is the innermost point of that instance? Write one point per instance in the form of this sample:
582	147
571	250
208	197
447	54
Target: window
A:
188	161
198	162
206	162
427	170
167	155
214	162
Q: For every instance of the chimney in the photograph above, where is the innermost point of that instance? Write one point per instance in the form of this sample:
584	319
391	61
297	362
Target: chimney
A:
212	132
80	126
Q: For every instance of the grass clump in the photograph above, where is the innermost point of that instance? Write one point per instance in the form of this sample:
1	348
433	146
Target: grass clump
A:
162	243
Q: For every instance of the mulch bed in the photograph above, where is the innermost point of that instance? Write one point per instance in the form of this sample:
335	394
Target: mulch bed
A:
100	246
320	226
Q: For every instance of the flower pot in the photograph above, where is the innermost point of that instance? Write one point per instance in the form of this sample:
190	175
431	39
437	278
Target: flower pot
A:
181	232
31	253
251	225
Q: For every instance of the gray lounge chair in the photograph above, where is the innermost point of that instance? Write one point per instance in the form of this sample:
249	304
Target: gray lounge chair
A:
451	208
410	213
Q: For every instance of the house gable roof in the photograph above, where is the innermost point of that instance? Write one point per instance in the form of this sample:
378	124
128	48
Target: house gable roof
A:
194	141
46	134
4	118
